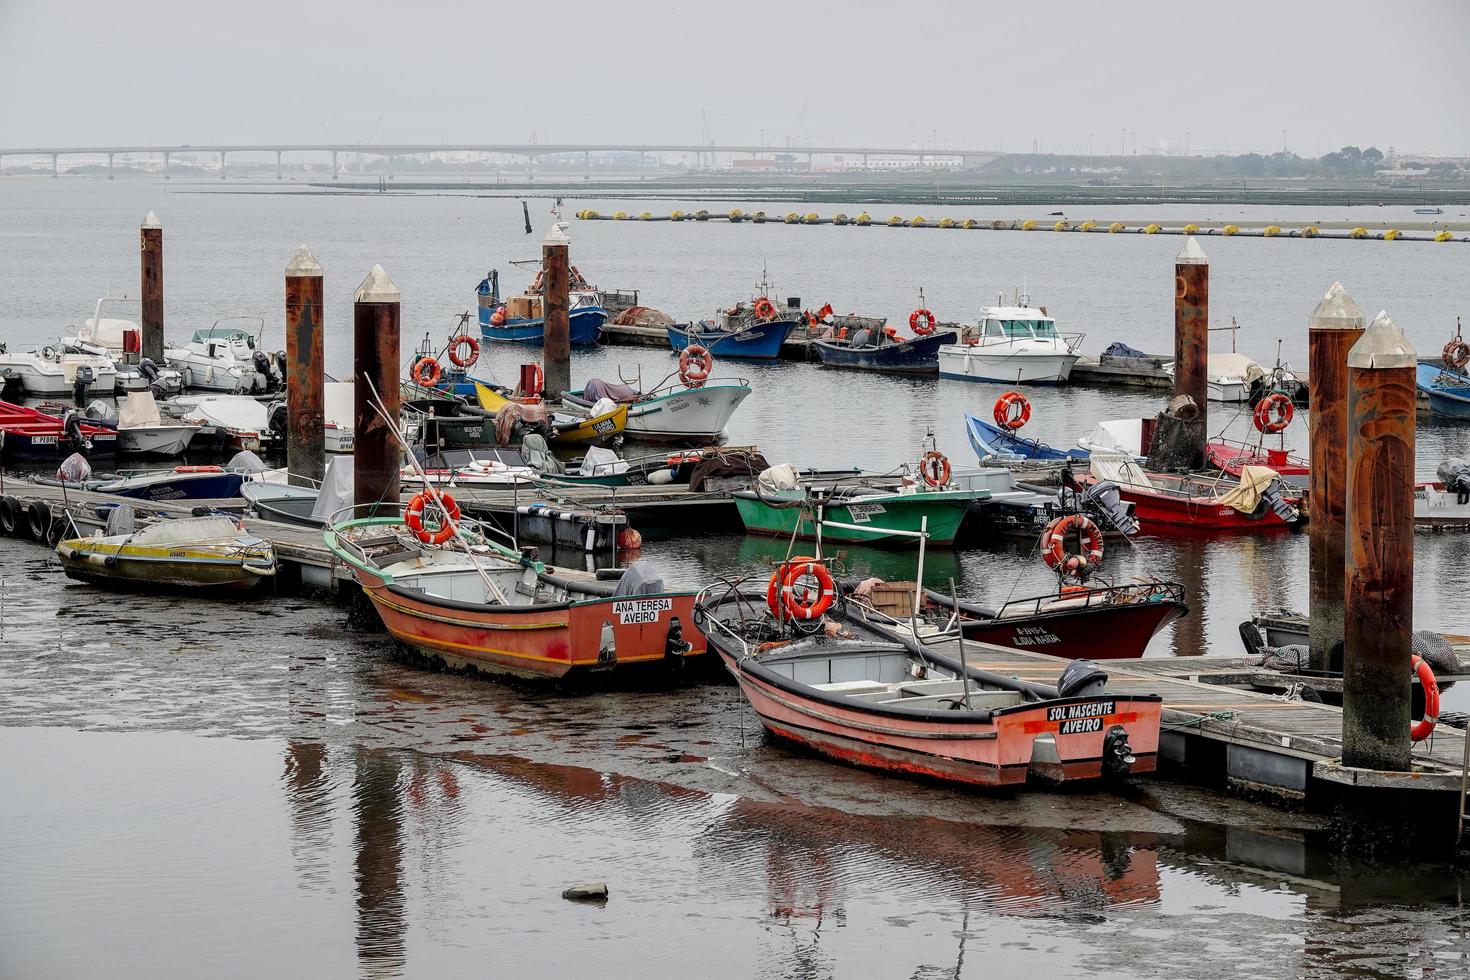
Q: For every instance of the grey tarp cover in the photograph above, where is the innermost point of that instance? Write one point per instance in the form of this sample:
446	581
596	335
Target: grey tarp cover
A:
538	455
640	578
335	498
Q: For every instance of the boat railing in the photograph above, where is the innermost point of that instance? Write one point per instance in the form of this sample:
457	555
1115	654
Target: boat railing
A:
483	528
701	601
1106	596
1073	341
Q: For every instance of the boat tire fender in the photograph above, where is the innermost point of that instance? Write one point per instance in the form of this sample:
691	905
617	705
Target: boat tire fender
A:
9	515
38	519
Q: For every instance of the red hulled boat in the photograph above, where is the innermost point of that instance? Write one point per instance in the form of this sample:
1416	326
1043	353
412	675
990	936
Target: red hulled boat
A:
1259	500
1232	458
29	432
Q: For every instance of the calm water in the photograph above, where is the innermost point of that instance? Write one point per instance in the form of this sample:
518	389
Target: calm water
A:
248	789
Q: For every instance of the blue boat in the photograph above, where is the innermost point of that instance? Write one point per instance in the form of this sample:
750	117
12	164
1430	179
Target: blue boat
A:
1448	391
874	351
183	483
753	340
990	441
519	319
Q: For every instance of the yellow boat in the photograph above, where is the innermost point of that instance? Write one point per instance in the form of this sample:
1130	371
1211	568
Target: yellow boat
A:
569	428
188	552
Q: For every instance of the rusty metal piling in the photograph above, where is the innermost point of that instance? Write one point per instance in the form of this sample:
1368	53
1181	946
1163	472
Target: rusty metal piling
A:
1191	332
1333	328
1379	587
555	307
150	239
305	394
376	453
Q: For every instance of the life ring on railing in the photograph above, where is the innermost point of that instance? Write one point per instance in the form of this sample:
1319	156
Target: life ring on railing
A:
922	322
1456	353
1274	413
456	343
1054	545
695	364
813	603
427	372
765	309
538	381
1012	410
199	469
934	466
414	517
497	319
1422	729
773	587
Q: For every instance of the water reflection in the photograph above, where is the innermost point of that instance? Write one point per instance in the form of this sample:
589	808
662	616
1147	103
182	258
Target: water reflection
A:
309	800
379	842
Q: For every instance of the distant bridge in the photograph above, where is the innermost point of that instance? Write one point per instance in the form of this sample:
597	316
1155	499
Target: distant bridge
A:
530	151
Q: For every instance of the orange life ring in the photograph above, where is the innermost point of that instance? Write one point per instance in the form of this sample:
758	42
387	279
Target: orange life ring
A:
1422	729
1274	412
1054	544
935	467
773	587
765	309
497	319
1008	419
456	343
1456	353
427	372
695	364
538	381
199	469
922	322
808	606
414	517
536	284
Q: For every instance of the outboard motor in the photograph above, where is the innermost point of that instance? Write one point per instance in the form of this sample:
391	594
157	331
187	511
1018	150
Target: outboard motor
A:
276	420
74	469
281	368
148	370
121	520
262	363
1276	500
1107	500
83	380
72	425
1455	475
1082	679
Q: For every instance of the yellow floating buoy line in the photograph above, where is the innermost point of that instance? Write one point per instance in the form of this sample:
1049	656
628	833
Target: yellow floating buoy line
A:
864	220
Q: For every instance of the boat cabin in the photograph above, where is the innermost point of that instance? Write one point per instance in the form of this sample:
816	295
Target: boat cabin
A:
1009	324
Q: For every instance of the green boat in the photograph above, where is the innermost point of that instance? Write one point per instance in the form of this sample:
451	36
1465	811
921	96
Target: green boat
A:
872	515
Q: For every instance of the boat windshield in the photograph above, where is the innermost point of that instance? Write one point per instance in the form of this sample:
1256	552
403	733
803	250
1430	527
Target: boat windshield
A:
1021	329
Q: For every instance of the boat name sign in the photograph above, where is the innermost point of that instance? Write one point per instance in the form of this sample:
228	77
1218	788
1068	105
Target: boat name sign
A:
1079	718
635	611
1033	635
864	513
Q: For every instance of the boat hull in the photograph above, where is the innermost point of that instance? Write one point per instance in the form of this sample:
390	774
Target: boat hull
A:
583	326
989	441
1104	632
172	568
156	440
1160	510
759	341
1232	459
178	486
879	518
962	362
537	642
915	355
1449	394
1436	507
693	414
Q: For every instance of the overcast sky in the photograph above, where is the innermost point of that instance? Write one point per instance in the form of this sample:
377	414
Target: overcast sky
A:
1227	75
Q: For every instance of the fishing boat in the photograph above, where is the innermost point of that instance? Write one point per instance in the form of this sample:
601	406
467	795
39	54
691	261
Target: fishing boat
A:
857	510
1429	210
866	344
305	506
754	332
1448	390
1258	501
903	707
1231	378
196	553
338	410
1012	345
991	442
1231	458
484	607
179	483
691	410
522	319
58	370
29	432
569	424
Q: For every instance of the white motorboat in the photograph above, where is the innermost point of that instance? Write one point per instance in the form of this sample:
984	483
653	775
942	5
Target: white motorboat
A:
224	357
338	408
141	429
674	412
1129	436
121	340
1230	377
1446	502
238	420
57	370
1011	345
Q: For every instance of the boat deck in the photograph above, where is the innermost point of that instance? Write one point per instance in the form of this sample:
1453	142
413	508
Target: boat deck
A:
1271	742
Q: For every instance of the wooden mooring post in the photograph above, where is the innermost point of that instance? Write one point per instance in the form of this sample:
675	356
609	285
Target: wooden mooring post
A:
150	239
305	392
555	307
1192	330
1379	587
1333	328
375	326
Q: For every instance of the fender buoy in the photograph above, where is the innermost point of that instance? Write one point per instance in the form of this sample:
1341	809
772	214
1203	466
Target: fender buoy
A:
427	372
935	468
1274	413
1012	410
465	360
809	605
414	517
1456	353
765	309
922	322
695	364
497	319
1054	544
1422	729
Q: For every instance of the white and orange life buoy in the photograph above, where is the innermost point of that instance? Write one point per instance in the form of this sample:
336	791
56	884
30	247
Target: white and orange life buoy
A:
1274	413
414	517
922	322
935	468
1422	729
778	579
765	309
427	372
464	360
497	319
1054	545
1012	410
813	600
695	364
